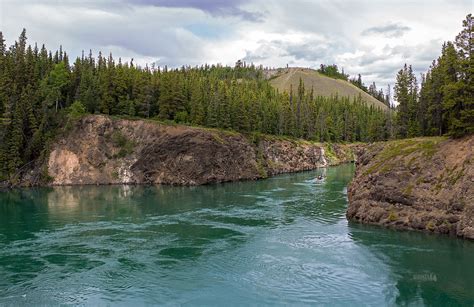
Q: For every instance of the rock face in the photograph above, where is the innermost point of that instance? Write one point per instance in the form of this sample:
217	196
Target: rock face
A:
102	150
419	184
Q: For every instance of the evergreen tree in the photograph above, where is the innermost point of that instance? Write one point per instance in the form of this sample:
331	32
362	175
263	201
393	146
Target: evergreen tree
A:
54	84
401	95
40	91
462	109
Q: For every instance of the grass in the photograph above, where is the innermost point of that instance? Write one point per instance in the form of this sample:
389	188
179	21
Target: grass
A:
430	226
423	148
408	190
260	165
392	216
329	152
261	169
454	176
322	85
420	180
218	138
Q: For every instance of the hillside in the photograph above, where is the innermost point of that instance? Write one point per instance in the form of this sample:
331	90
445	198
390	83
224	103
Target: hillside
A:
324	86
418	184
104	150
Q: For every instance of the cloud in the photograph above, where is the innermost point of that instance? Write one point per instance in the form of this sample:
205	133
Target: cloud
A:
213	7
268	32
426	51
301	48
144	33
389	30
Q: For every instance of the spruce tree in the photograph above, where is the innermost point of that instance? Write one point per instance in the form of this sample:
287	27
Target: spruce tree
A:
464	121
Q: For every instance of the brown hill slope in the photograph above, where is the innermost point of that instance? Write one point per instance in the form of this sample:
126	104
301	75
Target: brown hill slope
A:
323	86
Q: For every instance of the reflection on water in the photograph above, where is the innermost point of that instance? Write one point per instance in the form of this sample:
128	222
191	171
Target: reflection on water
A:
282	240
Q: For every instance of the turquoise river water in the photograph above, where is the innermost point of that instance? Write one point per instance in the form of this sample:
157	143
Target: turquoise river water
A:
279	241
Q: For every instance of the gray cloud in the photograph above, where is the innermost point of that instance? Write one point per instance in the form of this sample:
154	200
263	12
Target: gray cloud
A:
264	52
427	51
310	51
313	50
371	58
383	67
214	7
298	32
389	30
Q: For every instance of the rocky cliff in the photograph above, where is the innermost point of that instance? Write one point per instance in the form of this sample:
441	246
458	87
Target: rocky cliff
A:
102	150
422	184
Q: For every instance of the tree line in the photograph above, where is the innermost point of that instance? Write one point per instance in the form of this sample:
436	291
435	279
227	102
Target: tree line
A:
443	102
41	91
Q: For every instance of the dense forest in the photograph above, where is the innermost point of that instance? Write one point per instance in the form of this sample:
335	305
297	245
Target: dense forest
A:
42	92
444	101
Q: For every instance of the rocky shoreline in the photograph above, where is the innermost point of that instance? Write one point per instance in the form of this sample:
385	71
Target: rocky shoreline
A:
424	184
103	150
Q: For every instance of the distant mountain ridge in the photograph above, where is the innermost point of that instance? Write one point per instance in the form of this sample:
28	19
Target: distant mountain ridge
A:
283	78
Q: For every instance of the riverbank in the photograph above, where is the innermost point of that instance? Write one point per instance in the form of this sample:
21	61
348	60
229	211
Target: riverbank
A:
424	184
104	150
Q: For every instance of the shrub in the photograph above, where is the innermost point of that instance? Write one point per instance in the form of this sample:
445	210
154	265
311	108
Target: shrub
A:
392	216
76	110
125	145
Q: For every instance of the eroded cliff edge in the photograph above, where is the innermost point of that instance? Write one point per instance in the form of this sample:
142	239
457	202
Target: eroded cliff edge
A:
422	184
103	150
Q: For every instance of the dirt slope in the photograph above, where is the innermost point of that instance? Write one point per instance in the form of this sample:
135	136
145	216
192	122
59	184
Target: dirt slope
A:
322	85
422	184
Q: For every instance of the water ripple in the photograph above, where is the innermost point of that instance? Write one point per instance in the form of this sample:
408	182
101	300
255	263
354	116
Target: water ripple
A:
281	241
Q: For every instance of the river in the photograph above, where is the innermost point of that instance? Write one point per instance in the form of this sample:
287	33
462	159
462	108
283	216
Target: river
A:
283	240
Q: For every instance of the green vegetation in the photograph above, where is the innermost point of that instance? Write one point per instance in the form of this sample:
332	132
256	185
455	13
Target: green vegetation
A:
123	143
41	91
329	152
444	104
408	190
454	175
430	226
422	148
373	91
76	110
392	216
218	138
262	171
333	72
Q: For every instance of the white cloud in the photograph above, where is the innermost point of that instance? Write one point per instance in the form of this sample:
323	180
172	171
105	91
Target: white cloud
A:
374	38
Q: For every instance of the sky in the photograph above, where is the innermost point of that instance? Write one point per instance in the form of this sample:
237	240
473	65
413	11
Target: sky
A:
373	38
